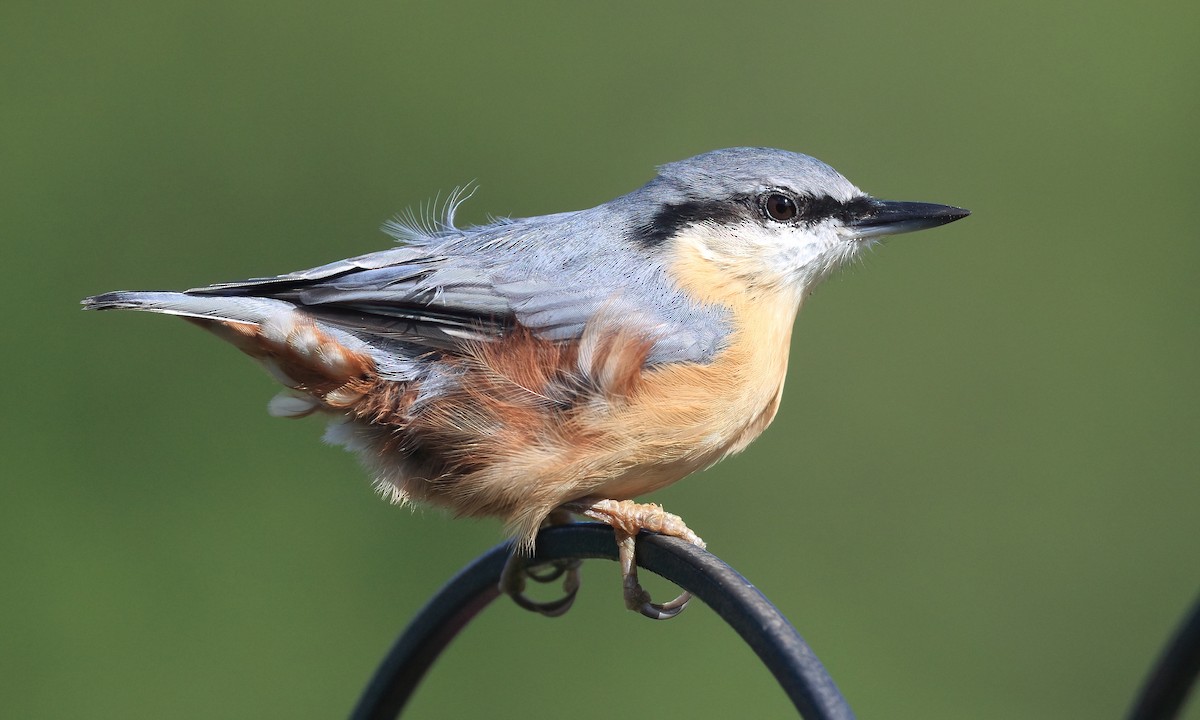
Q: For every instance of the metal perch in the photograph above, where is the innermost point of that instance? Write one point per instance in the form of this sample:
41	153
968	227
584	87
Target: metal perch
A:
730	595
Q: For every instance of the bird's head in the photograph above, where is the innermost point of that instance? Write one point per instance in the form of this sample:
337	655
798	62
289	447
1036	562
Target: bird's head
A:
769	220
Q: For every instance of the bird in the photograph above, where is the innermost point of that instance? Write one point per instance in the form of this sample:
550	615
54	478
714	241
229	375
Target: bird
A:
531	369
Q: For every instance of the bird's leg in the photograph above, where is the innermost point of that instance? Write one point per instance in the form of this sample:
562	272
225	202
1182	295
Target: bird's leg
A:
517	570
627	518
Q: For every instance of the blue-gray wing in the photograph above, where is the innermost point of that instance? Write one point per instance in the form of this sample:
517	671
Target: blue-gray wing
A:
439	291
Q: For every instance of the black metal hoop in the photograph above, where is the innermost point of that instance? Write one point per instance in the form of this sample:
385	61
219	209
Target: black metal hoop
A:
730	595
1166	689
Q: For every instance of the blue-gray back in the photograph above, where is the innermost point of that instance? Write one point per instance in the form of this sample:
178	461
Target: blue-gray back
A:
553	273
550	273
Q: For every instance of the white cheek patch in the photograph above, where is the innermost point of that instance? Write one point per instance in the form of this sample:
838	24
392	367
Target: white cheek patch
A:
796	252
797	255
745	245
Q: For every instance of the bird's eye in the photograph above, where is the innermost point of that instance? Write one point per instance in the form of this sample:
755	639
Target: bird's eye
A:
780	207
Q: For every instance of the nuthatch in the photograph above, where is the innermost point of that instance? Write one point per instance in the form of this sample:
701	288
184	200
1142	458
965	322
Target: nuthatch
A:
535	367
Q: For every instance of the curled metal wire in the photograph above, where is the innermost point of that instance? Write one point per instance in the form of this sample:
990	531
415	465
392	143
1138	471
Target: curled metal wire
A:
719	586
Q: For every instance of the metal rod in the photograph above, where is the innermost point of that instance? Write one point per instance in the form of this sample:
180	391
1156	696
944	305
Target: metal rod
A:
1166	689
730	595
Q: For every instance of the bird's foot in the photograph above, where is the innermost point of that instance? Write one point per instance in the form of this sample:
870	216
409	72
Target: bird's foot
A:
627	518
518	570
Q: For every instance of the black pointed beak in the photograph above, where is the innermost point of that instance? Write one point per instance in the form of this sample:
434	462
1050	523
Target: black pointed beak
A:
877	218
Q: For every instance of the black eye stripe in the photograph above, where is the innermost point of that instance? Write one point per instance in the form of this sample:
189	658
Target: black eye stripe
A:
671	218
825	207
815	209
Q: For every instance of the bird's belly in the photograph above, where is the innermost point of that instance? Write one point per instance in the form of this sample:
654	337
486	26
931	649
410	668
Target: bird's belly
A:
688	418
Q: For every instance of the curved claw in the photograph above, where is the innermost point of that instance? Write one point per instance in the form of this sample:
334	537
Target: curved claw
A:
636	597
554	572
516	571
554	608
666	610
627	518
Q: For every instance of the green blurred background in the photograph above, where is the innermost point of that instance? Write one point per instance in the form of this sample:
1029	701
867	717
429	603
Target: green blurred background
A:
980	498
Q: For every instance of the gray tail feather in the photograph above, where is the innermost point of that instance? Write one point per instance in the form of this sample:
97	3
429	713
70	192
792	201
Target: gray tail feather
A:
127	300
236	309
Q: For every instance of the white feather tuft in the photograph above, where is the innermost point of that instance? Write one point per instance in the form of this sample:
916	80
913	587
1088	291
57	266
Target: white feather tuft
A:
290	405
432	219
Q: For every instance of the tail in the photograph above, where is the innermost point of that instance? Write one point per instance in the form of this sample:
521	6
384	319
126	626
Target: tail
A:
251	310
330	367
